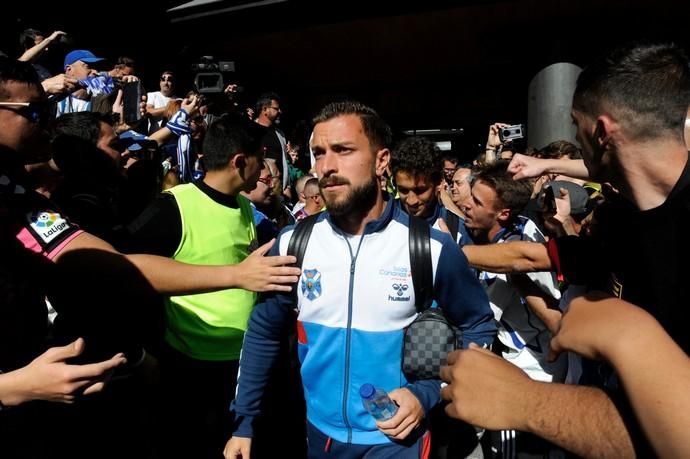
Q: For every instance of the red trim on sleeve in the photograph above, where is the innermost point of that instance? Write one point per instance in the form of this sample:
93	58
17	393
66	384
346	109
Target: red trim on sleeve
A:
426	447
552	249
301	334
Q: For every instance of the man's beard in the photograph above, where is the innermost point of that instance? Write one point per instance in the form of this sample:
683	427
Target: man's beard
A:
359	199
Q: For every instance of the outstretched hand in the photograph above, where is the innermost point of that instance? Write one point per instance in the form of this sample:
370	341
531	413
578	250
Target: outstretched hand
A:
594	326
260	273
523	166
49	377
562	198
481	389
60	84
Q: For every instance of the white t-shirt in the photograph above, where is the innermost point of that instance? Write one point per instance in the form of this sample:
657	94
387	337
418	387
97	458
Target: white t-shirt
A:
72	104
158	100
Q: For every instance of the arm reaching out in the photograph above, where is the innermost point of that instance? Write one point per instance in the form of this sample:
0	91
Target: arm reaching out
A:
32	53
49	377
654	370
522	166
482	390
257	272
517	256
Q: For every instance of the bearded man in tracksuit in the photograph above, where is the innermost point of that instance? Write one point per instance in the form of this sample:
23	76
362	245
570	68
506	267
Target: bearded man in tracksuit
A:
351	319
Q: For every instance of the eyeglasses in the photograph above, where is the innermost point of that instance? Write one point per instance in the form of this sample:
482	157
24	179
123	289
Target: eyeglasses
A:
274	108
167	78
313	196
268	180
36	112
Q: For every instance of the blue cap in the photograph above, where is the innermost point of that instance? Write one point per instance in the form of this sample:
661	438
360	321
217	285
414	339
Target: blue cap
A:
133	140
81	55
367	391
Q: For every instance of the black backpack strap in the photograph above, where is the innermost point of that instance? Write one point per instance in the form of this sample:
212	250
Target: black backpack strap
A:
453	223
420	263
298	243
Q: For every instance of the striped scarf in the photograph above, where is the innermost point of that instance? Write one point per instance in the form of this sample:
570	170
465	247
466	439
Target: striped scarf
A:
99	84
179	125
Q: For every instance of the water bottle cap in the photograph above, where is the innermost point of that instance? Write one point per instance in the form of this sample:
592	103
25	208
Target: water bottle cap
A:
367	390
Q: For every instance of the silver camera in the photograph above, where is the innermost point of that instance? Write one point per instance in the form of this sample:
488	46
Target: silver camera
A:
508	133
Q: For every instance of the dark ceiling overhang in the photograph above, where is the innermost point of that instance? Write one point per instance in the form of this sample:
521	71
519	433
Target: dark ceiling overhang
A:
198	9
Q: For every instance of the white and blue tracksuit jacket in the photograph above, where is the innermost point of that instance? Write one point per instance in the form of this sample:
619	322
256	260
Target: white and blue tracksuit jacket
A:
354	303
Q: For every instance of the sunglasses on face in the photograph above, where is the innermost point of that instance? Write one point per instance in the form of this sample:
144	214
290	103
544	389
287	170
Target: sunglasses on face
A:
36	112
167	78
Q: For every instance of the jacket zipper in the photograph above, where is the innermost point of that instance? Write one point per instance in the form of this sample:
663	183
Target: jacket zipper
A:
348	336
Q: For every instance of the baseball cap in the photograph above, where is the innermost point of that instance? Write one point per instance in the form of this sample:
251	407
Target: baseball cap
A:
81	55
578	195
135	141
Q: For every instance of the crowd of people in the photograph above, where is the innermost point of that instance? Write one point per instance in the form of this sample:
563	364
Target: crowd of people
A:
154	304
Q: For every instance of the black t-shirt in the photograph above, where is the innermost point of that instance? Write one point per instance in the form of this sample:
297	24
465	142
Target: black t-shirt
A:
640	256
272	147
158	230
32	233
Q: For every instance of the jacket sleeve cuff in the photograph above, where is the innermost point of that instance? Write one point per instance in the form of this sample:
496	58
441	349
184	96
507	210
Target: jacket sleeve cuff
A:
428	392
244	426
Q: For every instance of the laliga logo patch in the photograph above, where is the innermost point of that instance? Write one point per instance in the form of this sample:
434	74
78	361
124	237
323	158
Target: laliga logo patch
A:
311	284
44	219
400	290
47	225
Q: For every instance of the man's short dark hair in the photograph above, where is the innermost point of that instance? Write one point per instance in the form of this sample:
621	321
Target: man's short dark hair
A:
375	128
265	100
227	136
450	158
511	194
645	86
27	38
14	70
559	149
126	61
418	157
82	125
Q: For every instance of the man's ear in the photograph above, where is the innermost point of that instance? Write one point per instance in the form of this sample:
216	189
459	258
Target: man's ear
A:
503	215
383	158
604	130
238	161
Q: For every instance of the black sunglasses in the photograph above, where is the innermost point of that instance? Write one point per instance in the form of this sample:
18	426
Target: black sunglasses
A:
36	112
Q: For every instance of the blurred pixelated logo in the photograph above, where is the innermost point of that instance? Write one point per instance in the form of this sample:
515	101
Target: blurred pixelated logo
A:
311	284
400	290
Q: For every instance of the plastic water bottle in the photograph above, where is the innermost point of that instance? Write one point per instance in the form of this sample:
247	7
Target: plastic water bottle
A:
377	402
